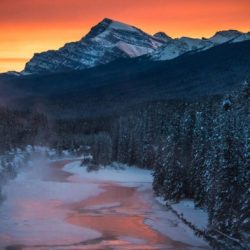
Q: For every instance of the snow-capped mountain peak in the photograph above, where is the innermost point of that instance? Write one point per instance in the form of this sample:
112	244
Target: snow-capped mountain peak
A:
107	25
106	42
112	24
110	40
163	36
225	36
176	47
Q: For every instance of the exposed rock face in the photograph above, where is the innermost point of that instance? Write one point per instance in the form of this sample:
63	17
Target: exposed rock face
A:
105	42
163	36
176	47
225	36
110	40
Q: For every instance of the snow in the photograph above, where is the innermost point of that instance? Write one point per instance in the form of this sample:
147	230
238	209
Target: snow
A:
160	218
129	45
37	203
121	26
103	206
133	240
14	158
218	39
177	47
162	36
190	41
133	50
89	53
243	37
196	216
225	36
168	52
123	175
186	209
58	231
133	41
168	224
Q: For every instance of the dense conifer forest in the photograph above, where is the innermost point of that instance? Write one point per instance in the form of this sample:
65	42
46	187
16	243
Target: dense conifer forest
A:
125	139
198	150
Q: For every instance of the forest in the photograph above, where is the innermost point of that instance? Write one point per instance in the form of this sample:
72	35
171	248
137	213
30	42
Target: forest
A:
197	149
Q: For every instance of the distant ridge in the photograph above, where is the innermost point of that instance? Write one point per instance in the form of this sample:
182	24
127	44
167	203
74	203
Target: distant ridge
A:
115	86
110	40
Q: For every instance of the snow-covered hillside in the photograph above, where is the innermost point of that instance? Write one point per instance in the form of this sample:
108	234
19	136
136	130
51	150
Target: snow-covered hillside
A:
176	47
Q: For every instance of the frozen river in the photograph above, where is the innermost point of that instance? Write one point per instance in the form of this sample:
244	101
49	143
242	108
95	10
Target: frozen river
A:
60	205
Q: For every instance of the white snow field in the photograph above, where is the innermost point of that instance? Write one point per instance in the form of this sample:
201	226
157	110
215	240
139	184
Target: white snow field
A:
72	209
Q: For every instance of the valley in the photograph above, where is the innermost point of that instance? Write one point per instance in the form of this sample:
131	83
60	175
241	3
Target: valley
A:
65	207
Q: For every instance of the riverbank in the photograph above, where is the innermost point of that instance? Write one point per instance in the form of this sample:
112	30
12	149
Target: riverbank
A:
60	205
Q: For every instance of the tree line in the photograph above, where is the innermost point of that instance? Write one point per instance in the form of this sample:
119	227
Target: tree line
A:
198	150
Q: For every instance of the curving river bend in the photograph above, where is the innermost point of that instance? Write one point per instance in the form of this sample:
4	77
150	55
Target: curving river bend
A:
59	205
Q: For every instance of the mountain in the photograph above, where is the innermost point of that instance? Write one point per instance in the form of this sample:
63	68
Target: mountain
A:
163	36
226	36
176	47
113	87
106	42
110	40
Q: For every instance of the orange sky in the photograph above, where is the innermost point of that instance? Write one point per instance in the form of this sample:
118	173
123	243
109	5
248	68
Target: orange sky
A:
29	26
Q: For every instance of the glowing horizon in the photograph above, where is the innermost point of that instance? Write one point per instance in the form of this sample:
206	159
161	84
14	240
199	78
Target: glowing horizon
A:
28	26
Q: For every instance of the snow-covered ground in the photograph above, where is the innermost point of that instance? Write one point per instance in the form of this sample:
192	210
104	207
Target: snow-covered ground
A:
44	210
196	216
160	219
187	209
133	176
32	213
119	173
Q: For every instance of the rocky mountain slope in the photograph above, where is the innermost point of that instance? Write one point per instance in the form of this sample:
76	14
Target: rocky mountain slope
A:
106	42
176	47
111	40
110	88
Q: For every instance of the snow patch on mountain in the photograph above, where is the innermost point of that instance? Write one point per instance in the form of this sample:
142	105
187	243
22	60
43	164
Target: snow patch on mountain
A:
133	51
242	38
176	47
110	40
106	42
225	36
120	26
163	36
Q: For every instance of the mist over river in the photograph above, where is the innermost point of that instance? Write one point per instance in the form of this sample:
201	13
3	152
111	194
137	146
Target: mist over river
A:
60	205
